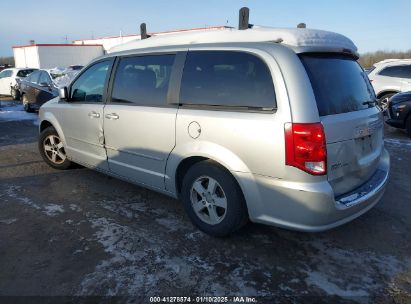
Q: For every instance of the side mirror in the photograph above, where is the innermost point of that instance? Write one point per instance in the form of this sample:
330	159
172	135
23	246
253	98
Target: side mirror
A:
63	93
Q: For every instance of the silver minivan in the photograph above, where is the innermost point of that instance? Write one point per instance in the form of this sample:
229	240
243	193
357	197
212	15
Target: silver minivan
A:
274	126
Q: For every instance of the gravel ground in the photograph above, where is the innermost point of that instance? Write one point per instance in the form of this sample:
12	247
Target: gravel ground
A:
81	233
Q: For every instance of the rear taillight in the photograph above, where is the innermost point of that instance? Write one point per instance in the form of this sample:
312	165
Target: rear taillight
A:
305	147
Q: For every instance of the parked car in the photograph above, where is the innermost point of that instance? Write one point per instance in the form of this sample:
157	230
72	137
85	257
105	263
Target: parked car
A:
278	126
389	77
9	81
399	111
42	85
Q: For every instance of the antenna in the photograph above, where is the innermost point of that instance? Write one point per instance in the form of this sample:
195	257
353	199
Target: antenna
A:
244	16
143	31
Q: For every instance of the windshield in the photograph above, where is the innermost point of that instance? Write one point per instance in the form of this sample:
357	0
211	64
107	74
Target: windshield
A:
339	83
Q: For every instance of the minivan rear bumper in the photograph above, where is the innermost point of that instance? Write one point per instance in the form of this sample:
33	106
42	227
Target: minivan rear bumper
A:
311	207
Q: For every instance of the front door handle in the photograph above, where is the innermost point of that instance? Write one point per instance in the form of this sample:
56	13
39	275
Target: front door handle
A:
112	116
93	114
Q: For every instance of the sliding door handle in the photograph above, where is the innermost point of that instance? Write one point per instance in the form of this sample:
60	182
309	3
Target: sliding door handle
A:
93	114
112	116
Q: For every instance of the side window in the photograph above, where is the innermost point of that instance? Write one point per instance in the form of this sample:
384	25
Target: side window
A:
6	73
89	87
34	77
44	78
227	78
393	71
143	80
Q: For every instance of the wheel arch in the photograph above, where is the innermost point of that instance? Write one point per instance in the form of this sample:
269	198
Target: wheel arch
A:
47	119
179	163
188	162
385	92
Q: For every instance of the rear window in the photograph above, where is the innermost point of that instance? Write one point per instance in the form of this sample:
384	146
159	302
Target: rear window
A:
24	73
339	83
227	78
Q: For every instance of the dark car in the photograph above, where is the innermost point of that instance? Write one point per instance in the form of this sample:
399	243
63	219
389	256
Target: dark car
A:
36	89
399	111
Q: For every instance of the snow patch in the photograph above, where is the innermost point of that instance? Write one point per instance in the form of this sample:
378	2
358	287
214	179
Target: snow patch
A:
75	207
15	113
50	209
289	36
13	192
53	209
170	223
398	142
8	221
129	208
139	261
328	277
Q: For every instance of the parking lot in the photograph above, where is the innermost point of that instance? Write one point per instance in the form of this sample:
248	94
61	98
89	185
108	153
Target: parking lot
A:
79	232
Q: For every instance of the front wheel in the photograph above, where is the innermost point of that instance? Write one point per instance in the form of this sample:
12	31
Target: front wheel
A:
213	199
52	149
383	101
15	94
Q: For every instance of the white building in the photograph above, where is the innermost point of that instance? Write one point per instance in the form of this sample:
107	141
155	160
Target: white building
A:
80	52
45	56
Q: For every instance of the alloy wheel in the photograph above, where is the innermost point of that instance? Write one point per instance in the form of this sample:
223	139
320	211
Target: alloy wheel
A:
54	149
208	200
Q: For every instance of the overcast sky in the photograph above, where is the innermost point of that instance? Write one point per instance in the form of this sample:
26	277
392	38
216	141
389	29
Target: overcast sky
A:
372	25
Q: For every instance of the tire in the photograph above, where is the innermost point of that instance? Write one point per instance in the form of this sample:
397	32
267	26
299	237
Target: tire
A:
206	189
382	101
26	104
408	125
52	149
15	94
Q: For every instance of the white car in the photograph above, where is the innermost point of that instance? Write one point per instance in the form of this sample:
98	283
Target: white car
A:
9	82
390	76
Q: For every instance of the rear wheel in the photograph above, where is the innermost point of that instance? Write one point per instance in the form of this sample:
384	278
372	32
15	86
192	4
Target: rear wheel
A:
213	200
26	104
52	149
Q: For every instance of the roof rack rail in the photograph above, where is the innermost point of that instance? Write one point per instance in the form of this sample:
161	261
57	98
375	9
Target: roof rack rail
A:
143	31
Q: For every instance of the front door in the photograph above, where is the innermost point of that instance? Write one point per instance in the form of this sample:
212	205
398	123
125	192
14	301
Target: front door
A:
139	125
81	117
